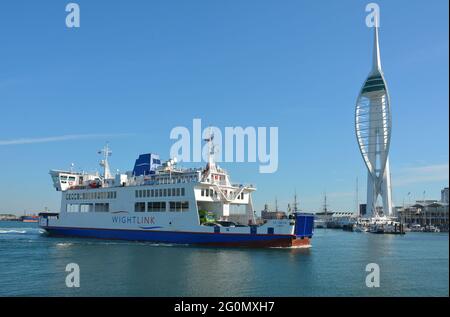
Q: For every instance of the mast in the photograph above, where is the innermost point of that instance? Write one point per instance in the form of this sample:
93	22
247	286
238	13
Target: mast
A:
325	204
211	150
295	203
104	162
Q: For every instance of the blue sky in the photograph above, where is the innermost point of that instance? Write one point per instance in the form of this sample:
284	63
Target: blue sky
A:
136	69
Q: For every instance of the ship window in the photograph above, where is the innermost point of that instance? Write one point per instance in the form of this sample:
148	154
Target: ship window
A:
102	207
169	192
207	192
72	208
156	206
148	192
136	193
203	192
211	192
71	178
160	192
86	207
152	193
173	191
139	207
165	192
178	206
182	191
156	193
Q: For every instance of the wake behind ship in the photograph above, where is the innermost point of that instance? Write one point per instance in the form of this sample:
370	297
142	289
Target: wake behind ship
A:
161	202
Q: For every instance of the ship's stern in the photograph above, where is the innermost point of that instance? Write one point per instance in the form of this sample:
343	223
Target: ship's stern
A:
304	230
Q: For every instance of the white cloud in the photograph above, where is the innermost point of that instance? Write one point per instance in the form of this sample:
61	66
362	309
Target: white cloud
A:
421	174
67	137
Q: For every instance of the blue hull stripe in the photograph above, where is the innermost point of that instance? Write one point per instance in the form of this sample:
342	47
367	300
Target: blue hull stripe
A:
167	236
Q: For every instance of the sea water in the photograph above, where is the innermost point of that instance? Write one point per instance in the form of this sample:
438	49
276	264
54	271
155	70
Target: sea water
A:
33	264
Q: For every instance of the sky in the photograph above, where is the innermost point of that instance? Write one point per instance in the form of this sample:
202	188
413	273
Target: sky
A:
134	70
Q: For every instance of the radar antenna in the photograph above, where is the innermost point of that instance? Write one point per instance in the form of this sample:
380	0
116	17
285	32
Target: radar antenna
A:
211	149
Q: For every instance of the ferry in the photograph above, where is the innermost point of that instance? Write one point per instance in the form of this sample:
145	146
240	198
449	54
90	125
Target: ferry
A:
164	203
32	218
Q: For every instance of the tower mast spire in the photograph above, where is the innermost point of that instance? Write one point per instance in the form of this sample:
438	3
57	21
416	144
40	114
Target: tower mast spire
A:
373	124
376	63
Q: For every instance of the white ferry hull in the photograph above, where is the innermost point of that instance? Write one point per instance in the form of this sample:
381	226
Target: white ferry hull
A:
249	236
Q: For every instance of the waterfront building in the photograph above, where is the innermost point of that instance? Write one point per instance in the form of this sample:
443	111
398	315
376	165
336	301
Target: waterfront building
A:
425	213
8	217
444	195
334	219
362	209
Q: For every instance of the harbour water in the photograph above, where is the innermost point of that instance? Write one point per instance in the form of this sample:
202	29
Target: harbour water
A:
415	264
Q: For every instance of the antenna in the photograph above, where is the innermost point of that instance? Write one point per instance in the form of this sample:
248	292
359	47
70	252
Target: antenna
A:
295	202
211	148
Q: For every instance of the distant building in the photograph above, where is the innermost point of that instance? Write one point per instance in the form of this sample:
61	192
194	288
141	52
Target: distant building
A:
425	213
335	219
8	217
267	214
362	209
444	195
